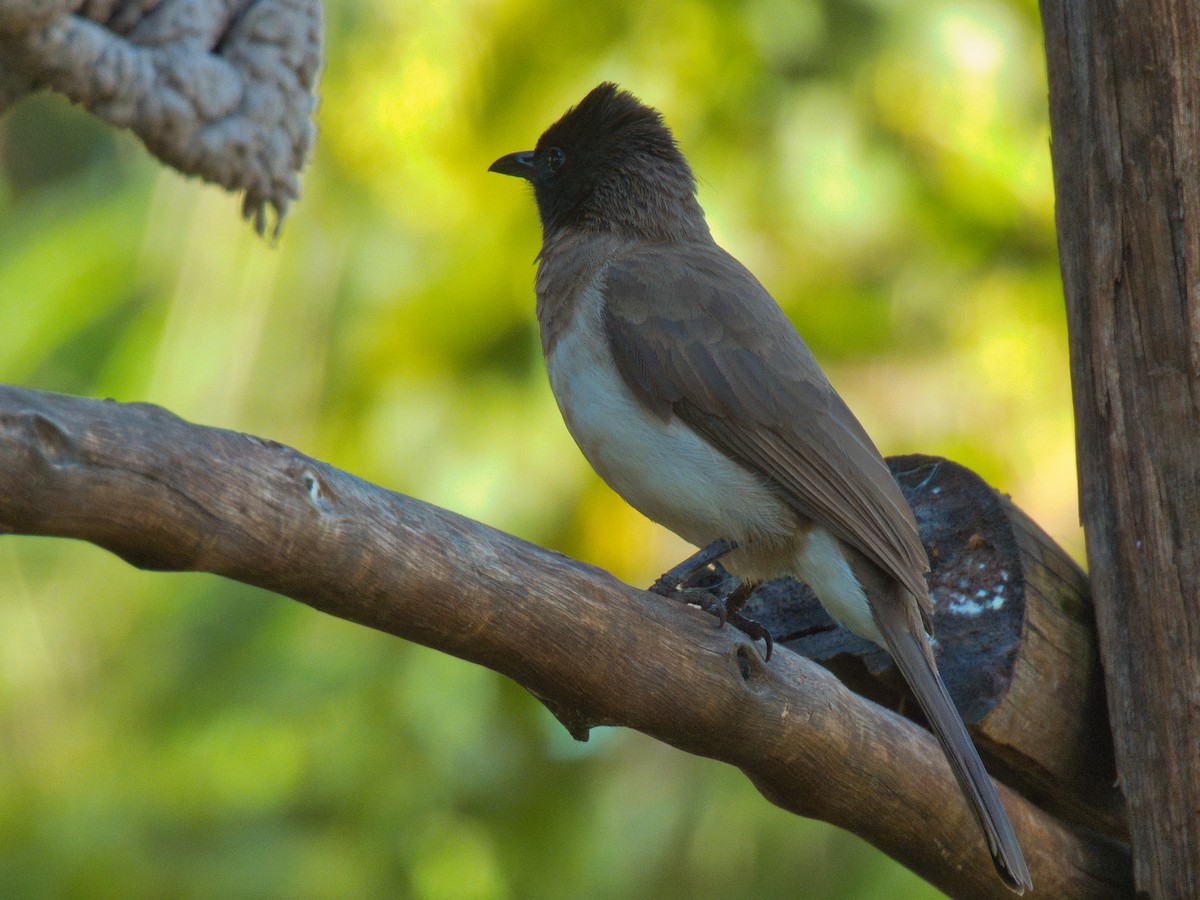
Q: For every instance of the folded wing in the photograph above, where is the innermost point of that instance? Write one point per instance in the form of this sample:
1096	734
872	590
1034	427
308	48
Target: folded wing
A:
695	335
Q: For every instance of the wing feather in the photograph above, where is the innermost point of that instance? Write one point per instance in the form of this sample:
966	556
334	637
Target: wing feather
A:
694	334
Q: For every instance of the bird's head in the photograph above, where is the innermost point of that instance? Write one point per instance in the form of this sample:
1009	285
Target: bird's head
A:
609	164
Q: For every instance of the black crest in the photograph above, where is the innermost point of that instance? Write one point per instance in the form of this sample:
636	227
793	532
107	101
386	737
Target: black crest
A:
605	162
611	118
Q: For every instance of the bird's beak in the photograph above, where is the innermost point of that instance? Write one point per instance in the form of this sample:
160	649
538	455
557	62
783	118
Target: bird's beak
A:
519	164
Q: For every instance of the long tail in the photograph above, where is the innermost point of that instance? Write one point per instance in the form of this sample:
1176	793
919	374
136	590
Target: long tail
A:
909	647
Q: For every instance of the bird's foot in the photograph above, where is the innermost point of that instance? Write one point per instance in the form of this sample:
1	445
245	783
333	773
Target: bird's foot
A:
714	604
695	565
754	630
726	607
702	582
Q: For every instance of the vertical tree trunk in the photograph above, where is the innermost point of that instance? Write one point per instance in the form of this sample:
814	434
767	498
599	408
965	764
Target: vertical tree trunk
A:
1125	118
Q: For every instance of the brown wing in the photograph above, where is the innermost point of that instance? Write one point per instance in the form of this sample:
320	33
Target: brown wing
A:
694	334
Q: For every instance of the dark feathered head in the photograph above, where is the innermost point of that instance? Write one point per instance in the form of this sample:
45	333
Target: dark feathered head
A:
610	164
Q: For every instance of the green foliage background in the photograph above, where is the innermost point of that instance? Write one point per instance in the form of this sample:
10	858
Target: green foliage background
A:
882	166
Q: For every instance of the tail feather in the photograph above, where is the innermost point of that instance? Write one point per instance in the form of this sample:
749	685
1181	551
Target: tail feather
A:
907	643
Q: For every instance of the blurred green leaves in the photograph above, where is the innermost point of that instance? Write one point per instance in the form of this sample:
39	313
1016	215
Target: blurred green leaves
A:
883	167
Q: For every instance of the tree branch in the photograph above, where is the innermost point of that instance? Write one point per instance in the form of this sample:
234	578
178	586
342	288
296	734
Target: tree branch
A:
223	90
165	494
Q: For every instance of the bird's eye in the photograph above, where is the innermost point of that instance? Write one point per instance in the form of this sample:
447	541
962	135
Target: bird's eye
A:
555	159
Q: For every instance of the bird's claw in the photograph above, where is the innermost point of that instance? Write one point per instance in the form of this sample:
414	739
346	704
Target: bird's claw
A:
753	630
709	602
725	606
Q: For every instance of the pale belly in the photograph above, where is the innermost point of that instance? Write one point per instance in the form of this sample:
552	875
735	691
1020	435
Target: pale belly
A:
663	468
674	477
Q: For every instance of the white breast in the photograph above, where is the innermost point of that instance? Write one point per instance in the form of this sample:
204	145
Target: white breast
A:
662	468
673	476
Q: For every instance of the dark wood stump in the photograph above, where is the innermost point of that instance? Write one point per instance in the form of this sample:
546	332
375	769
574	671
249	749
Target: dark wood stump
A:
1014	639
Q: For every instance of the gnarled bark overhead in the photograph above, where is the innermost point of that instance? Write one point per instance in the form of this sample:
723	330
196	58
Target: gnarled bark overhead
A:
1125	121
223	89
164	494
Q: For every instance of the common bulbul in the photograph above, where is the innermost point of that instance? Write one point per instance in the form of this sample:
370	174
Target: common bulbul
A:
693	396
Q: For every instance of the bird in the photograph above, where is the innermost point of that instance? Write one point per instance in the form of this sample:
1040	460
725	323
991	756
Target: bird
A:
692	394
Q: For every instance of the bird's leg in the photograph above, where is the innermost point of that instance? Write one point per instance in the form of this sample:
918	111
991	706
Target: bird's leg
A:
734	601
699	580
674	580
702	582
726	604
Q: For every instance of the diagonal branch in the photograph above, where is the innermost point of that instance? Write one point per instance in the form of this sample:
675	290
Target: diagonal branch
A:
166	494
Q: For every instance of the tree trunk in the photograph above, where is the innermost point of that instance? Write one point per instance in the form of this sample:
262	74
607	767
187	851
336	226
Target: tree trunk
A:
1125	117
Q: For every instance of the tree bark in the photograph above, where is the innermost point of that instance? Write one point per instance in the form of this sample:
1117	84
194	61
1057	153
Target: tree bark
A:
164	494
1125	123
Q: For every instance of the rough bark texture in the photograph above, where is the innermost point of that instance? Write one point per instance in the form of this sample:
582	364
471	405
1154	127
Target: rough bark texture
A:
1125	119
221	89
164	494
1016	643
